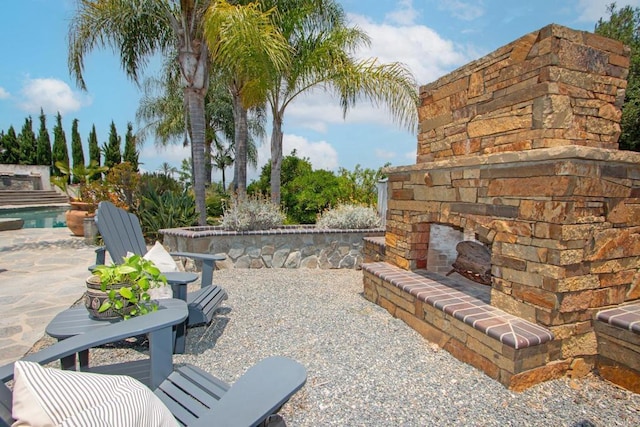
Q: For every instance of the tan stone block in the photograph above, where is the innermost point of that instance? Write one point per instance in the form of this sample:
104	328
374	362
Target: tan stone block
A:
387	305
436	193
580	368
481	126
479	348
578	283
476	84
619	374
465	147
522	277
620	349
544	186
617	279
427	331
527	379
620	212
450	88
566	257
434	108
614	243
615	265
580	345
513	306
464	354
634	289
537	297
592	187
528	253
435	122
576	301
546	270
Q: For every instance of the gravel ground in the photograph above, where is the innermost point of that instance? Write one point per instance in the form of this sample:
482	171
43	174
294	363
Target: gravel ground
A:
366	368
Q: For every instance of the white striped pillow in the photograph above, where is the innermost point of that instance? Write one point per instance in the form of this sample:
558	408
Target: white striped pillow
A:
52	397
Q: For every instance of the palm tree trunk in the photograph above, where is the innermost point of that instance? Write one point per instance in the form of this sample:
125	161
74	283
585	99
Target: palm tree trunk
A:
195	102
276	158
241	137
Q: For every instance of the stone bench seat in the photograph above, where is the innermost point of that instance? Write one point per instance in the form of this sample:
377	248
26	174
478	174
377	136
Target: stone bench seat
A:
618	335
625	317
504	327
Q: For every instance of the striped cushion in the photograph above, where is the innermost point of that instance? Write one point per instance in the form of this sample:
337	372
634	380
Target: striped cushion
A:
48	397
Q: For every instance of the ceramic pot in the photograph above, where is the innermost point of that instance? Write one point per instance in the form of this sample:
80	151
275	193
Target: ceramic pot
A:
94	297
76	215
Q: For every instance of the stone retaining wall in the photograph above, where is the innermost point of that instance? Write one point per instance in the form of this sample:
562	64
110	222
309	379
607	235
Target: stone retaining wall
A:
288	247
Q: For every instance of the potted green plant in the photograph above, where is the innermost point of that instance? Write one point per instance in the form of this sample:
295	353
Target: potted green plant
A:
84	197
121	290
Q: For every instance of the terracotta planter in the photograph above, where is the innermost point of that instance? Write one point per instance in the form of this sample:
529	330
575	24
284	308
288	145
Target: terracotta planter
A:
94	297
76	215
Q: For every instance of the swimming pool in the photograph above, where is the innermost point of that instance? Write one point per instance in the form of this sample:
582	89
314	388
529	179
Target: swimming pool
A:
46	217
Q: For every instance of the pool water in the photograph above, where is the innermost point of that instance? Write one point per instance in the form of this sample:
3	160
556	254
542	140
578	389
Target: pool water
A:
38	217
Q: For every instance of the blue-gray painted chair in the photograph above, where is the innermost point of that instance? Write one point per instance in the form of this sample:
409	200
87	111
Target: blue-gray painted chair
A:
193	396
122	234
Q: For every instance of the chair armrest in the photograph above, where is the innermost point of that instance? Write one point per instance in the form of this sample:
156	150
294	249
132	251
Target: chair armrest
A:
208	264
100	255
199	256
149	323
260	392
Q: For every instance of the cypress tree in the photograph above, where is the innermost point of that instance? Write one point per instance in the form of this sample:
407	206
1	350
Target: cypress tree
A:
94	151
10	149
60	152
130	153
3	150
27	143
111	149
43	150
76	150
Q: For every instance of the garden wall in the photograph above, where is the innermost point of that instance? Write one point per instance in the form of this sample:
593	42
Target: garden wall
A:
286	247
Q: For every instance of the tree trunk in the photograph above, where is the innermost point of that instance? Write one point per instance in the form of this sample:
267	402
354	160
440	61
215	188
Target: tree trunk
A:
241	137
195	101
276	158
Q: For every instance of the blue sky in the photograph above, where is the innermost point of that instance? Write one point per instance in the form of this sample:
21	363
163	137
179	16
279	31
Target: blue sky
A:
432	37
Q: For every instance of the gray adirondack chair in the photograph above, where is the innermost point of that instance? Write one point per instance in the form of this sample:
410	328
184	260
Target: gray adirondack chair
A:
121	233
194	397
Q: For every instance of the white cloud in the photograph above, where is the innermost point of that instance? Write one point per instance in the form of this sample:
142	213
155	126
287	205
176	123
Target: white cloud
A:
384	154
411	155
406	14
3	93
465	10
420	48
321	154
52	95
592	10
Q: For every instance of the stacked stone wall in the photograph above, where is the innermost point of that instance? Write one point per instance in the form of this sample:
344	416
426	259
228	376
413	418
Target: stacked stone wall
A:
552	87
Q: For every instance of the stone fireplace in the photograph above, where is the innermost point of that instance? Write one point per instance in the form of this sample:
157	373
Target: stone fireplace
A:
518	150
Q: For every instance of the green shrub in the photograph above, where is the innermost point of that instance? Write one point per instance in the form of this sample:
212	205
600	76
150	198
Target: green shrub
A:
349	217
251	213
166	210
215	201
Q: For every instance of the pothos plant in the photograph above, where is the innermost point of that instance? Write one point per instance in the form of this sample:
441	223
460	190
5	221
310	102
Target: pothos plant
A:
127	285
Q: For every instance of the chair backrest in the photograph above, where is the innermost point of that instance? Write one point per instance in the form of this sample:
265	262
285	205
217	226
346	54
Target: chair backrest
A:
120	231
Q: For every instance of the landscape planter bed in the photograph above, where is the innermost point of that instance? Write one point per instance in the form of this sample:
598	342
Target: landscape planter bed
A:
294	246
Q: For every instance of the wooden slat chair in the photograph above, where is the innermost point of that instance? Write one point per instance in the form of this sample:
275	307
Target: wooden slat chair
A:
121	233
194	397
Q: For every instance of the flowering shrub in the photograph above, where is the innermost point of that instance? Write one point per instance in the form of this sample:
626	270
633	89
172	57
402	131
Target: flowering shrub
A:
251	213
349	217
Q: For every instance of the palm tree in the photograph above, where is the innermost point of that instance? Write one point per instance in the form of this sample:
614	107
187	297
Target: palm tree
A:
164	115
167	170
320	56
139	29
245	61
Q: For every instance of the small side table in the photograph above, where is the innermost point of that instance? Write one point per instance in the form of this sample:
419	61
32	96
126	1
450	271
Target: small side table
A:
76	320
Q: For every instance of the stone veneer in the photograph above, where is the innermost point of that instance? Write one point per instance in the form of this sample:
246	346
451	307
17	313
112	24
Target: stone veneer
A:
286	247
519	149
